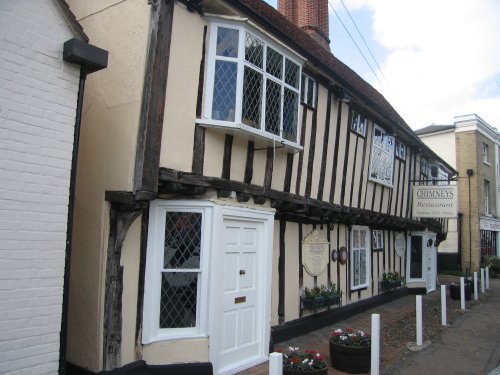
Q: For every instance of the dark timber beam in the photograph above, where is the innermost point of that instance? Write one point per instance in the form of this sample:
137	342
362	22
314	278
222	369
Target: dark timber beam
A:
147	160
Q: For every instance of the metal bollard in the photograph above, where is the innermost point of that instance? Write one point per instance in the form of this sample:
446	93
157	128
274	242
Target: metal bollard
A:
443	305
275	363
462	293
419	320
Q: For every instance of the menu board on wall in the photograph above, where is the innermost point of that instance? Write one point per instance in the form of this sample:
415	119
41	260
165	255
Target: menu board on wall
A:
315	253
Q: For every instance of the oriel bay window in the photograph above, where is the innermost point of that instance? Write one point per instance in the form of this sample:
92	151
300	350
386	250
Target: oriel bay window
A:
253	84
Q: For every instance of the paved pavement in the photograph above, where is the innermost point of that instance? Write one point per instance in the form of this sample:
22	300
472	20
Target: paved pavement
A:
469	346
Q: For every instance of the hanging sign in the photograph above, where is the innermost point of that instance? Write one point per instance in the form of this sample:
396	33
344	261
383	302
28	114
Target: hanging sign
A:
436	201
315	253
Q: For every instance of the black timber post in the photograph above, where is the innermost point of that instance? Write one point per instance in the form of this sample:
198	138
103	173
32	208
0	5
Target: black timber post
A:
147	160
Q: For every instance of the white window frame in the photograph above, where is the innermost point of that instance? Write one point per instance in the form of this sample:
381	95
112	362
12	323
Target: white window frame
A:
154	266
307	84
400	150
355	251
237	126
486	153
358	123
385	152
377	239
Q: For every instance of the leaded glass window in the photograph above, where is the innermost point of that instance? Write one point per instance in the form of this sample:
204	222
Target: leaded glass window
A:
358	123
258	87
382	157
377	239
308	90
181	268
360	246
400	150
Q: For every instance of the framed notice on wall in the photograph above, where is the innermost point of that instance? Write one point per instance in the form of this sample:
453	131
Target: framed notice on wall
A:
315	253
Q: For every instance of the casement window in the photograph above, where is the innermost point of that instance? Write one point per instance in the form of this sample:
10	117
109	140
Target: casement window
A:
360	257
377	239
400	150
308	91
358	123
253	84
382	157
486	154
175	304
486	197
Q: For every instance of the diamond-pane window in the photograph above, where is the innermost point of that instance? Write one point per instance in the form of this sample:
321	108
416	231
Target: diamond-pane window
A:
182	240
254	50
254	85
227	42
273	107
224	98
181	263
382	157
252	97
274	63
178	302
292	72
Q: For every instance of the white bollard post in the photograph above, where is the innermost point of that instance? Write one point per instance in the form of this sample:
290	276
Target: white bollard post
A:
275	363
419	320
462	293
475	286
443	305
375	360
482	280
487	278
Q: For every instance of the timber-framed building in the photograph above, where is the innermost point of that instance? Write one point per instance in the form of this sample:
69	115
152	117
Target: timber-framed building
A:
228	161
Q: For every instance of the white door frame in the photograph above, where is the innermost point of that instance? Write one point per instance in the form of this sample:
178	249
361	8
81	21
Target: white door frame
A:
428	278
264	288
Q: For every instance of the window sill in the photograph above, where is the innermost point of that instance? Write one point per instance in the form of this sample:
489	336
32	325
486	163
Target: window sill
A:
179	336
250	133
359	287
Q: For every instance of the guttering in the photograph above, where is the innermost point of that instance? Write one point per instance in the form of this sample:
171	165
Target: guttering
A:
90	59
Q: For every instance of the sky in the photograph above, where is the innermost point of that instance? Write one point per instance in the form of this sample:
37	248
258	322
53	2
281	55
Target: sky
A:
438	58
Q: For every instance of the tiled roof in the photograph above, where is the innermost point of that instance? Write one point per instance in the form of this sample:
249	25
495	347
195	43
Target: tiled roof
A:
340	72
314	52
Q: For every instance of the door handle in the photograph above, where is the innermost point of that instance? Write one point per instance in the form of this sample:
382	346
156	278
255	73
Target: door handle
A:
242	272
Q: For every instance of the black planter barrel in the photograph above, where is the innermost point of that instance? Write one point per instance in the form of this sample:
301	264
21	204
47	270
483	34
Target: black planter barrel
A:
350	359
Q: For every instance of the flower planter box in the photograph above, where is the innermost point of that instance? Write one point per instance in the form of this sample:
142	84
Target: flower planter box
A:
455	292
319	302
322	371
387	285
350	359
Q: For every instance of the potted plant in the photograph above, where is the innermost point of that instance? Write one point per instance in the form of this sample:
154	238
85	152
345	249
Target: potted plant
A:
332	295
309	362
350	350
455	289
391	280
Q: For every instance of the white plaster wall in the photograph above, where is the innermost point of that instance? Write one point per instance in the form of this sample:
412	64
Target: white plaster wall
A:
106	160
38	95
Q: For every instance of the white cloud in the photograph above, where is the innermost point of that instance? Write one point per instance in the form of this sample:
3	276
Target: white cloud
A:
441	56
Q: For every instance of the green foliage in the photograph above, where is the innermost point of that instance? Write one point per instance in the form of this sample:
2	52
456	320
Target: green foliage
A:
493	263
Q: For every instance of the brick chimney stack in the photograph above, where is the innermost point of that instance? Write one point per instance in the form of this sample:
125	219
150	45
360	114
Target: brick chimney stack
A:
310	15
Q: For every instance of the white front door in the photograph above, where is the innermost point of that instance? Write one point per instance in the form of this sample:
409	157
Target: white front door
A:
240	265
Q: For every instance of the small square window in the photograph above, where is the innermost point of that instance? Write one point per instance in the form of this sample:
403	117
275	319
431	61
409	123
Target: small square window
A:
358	123
377	239
400	150
308	91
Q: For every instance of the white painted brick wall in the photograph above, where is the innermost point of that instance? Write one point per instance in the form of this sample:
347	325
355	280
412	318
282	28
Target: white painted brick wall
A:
38	93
